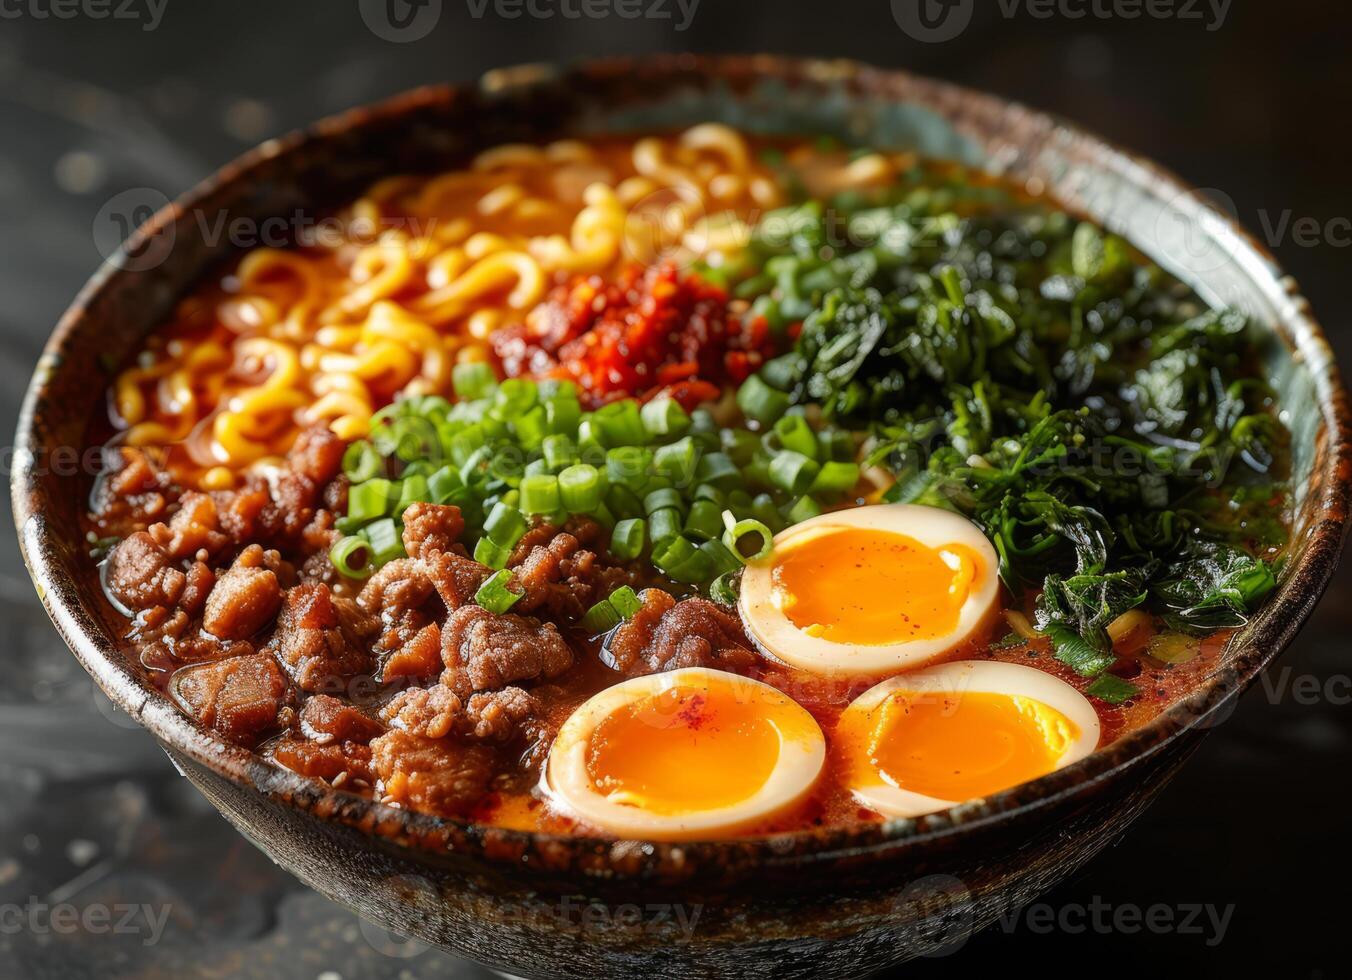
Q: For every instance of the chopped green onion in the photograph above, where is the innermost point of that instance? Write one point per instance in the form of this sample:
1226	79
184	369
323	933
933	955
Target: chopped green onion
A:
835	477
601	618
473	381
723	560
467	442
619	424
760	402
563	414
623	502
750	540
369	500
626	601
764	510
707	491
531	428
580	488
718	469
494	595
802	509
488	552
361	462
504	525
386	544
626	540
514	398
664	416
705	520
796	435
724	589
835	444
442	484
540	494
629	466
739	445
793	472
559	452
663	525
413	490
661	499
551	388
682	561
677	461
352	557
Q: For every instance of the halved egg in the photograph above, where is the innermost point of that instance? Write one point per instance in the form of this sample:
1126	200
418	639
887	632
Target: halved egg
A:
685	754
931	739
871	590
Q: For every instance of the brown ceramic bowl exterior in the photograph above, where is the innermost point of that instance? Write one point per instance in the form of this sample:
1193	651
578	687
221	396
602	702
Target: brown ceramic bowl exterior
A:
820	903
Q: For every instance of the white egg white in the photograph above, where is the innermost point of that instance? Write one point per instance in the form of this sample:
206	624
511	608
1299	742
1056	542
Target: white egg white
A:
568	784
972	677
780	639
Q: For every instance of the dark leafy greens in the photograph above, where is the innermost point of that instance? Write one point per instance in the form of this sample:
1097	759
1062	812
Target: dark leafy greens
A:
1101	425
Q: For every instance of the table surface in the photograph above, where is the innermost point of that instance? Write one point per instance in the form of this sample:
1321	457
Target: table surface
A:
1252	834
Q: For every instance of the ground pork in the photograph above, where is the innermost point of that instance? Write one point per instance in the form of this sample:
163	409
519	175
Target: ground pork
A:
326	719
396	588
455	577
245	599
483	650
437	711
437	775
344	765
239	697
666	635
430	528
322	641
140	575
409	647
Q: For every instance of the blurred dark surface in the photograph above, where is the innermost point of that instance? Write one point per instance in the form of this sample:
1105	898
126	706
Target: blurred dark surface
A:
93	815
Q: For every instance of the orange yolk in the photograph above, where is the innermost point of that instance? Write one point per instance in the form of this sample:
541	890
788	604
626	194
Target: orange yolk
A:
685	750
956	746
870	587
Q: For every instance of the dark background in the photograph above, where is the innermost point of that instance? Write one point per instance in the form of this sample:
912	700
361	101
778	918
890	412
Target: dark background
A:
90	810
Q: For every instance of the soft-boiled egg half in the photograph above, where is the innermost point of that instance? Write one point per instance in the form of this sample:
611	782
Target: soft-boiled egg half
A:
928	740
685	754
871	590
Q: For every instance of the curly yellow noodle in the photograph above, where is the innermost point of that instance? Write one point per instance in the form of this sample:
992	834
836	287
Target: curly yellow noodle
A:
415	275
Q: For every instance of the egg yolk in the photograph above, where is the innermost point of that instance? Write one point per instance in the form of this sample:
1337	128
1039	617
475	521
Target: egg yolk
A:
957	746
684	750
871	587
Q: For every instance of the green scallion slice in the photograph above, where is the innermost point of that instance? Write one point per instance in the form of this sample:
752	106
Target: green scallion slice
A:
749	540
352	557
494	595
626	540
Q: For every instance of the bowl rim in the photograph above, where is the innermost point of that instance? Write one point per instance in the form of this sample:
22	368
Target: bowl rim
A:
1249	653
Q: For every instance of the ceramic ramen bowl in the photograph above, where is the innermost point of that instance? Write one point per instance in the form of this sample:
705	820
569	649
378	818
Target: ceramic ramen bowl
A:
816	903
